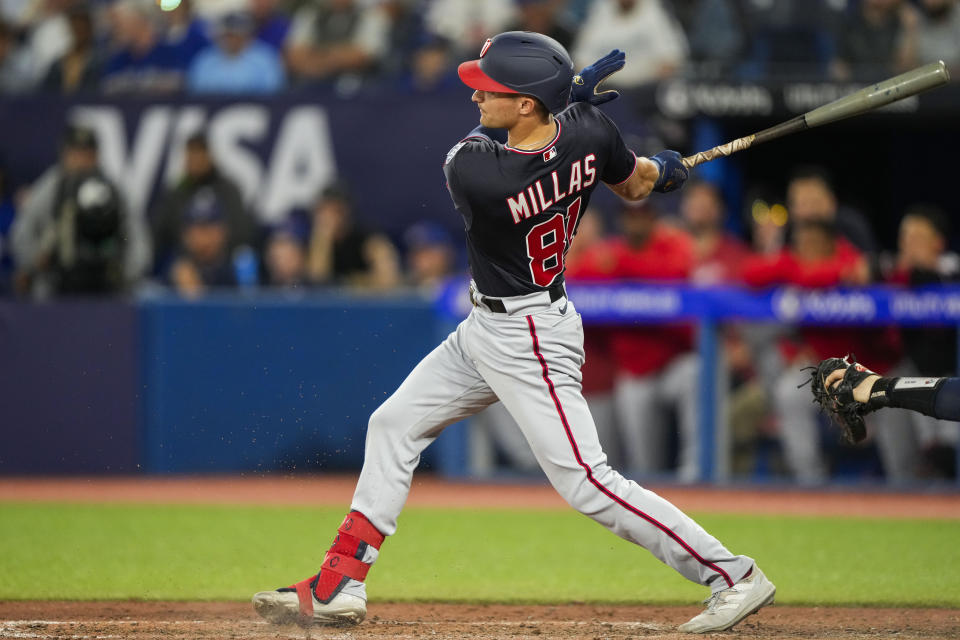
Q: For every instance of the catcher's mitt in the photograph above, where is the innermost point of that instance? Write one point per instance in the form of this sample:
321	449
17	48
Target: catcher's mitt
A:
838	401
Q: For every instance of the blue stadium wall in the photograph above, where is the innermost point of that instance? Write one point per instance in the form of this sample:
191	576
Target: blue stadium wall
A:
222	385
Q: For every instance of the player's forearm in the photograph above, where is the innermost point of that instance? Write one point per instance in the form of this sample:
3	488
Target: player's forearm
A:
936	397
640	183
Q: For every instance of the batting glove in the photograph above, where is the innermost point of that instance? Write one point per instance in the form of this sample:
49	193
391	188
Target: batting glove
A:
672	172
586	83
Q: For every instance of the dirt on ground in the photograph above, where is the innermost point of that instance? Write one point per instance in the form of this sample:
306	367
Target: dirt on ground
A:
201	621
208	620
432	491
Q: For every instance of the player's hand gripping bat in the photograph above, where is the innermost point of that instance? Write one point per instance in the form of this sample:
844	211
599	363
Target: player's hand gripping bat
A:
873	97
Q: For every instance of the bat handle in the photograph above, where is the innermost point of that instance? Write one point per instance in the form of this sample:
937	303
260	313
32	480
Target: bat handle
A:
720	150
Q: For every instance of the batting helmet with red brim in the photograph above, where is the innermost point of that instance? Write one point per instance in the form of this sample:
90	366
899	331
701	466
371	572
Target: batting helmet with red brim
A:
522	62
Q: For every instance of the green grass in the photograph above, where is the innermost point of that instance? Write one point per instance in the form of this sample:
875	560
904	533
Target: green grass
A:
80	551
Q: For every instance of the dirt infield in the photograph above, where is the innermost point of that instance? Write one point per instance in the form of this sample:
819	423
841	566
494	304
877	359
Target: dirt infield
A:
173	621
208	620
429	491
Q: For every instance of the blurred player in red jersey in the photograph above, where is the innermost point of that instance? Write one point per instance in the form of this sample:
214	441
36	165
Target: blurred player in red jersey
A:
816	257
599	368
911	444
718	254
655	369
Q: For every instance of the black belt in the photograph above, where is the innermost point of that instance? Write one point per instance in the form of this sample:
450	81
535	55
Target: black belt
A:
496	305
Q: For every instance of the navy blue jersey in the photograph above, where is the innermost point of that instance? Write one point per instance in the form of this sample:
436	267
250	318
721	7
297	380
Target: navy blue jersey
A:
522	208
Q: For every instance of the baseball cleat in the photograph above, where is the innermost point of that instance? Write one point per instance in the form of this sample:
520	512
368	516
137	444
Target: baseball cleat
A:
288	606
728	607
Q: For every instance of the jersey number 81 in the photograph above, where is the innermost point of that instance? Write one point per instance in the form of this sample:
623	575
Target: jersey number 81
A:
547	244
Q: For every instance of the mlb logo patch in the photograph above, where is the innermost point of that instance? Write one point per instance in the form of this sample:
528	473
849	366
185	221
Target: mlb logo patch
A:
550	154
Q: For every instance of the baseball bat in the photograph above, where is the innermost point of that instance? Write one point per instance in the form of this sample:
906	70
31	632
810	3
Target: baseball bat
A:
929	76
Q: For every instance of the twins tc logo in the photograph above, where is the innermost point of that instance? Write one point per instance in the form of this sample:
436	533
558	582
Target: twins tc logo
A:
486	45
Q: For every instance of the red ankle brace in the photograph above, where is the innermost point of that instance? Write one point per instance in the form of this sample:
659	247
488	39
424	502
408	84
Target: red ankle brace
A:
342	562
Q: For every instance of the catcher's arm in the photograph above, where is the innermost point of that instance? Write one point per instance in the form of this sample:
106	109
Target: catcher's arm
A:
849	391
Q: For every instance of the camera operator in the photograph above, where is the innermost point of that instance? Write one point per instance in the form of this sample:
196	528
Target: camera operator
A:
73	235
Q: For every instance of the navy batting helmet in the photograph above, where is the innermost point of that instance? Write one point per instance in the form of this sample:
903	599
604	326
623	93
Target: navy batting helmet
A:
522	62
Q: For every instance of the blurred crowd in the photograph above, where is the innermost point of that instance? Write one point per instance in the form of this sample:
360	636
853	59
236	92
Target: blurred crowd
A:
266	46
71	234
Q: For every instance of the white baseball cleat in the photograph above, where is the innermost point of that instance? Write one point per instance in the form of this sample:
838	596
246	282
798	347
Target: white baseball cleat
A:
284	607
728	607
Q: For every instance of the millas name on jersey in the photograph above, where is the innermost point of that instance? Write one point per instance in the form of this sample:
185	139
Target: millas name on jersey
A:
533	199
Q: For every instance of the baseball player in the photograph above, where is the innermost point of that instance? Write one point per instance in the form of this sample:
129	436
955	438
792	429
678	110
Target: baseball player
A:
521	200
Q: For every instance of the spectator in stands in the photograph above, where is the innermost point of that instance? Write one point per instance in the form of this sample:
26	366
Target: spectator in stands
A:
817	257
285	255
343	253
431	256
15	69
543	16
789	39
938	36
656	371
273	25
913	445
73	234
879	39
718	254
406	37
143	62
431	68
79	68
339	41
46	34
203	261
654	42
467	24
715	32
7	214
200	173
237	62
185	33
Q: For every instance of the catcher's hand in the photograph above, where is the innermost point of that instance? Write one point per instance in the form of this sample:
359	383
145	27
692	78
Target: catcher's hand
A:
834	394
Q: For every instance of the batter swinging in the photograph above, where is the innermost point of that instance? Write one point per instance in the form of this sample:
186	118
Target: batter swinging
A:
521	201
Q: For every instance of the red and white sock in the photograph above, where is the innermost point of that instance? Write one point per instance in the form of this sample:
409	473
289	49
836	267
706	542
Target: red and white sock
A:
353	551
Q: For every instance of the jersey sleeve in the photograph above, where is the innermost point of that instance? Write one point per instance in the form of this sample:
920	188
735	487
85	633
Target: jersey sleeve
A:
453	166
455	187
621	160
